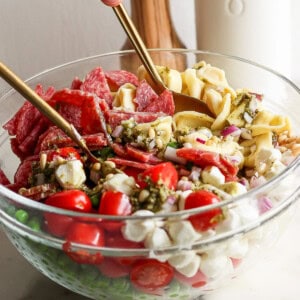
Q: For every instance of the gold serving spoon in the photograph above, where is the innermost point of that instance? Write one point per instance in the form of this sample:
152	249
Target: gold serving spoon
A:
182	102
22	88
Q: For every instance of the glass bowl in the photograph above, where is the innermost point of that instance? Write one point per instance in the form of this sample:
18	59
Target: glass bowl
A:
223	253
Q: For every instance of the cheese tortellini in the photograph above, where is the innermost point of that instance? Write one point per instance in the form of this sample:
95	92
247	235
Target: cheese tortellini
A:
255	128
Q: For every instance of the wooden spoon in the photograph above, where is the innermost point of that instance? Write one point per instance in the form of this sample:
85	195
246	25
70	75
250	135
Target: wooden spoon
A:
182	102
22	88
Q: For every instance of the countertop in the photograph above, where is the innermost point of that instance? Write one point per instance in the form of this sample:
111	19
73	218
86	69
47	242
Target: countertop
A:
276	277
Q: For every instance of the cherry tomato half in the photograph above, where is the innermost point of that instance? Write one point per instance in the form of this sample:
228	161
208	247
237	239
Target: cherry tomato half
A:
75	200
205	220
163	173
66	153
151	275
116	240
70	199
116	204
87	234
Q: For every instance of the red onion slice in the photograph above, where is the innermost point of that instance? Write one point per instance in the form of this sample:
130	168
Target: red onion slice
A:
231	130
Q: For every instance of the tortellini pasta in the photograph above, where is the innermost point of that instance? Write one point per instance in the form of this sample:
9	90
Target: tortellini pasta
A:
265	122
124	98
240	109
191	119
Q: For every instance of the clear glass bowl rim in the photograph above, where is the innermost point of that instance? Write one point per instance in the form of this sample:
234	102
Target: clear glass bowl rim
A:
31	204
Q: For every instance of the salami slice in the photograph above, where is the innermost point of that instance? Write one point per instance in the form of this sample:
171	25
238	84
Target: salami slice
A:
29	143
142	156
13	187
72	113
40	192
206	158
115	117
3	179
82	109
26	122
164	103
93	141
76	84
48	138
46	95
24	171
68	96
119	150
117	78
129	163
15	125
10	125
145	95
91	118
95	82
16	150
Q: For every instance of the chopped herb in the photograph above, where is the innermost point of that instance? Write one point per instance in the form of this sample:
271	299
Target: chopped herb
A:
105	153
95	199
174	144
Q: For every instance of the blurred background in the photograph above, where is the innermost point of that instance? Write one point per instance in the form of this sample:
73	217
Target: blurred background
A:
36	35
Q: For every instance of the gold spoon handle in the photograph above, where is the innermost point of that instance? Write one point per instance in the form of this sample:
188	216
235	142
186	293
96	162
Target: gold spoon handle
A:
21	87
137	43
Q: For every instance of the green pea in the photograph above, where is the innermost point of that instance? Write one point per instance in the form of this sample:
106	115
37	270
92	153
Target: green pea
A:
22	216
34	223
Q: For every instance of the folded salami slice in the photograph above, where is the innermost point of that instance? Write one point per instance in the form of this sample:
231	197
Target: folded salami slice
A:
95	82
24	171
115	117
164	103
140	155
116	79
145	95
56	138
129	163
76	84
24	120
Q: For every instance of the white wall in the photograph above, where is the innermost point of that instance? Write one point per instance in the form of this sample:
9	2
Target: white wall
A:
38	34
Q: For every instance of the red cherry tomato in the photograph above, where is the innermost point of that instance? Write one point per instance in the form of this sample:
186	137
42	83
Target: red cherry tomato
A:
196	281
87	234
150	275
57	224
70	199
116	204
116	240
75	200
66	153
205	158
205	220
163	173
112	269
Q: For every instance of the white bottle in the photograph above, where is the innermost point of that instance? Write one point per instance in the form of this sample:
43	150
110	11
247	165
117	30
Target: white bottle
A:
259	30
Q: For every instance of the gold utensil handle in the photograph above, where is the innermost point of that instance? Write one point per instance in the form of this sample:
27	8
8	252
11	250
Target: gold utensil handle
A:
137	43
